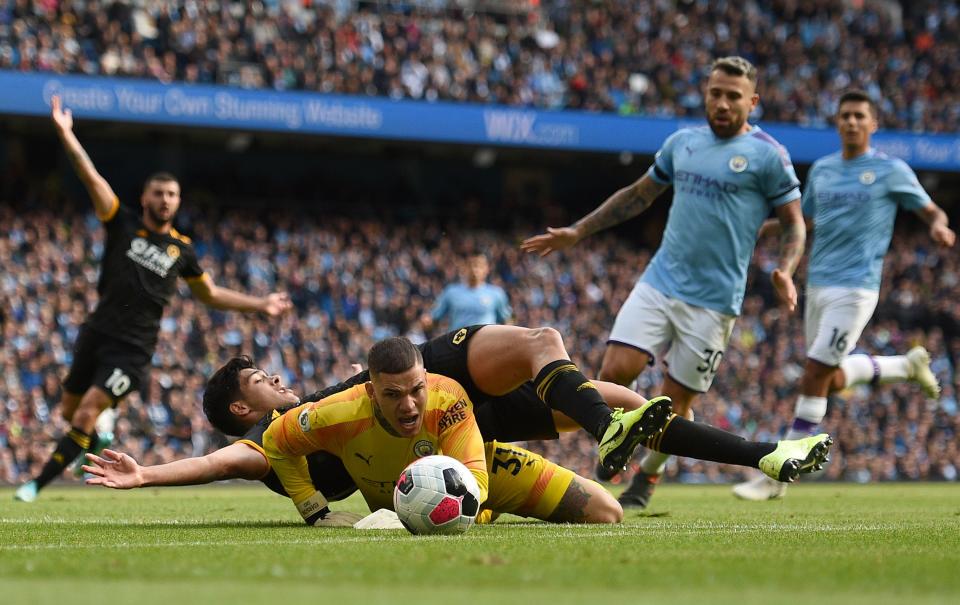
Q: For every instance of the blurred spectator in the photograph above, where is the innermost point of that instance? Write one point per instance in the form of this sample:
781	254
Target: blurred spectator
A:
354	281
627	56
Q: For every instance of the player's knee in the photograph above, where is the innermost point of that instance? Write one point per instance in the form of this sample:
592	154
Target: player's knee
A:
622	366
617	372
544	339
86	413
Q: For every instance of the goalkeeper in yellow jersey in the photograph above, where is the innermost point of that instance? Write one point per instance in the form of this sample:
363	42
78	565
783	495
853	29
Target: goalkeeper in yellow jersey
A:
404	413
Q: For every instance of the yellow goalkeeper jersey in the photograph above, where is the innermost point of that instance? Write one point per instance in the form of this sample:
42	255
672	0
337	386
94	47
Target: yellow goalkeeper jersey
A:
348	425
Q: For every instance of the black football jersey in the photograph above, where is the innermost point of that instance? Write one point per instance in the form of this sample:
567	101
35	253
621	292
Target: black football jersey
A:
138	275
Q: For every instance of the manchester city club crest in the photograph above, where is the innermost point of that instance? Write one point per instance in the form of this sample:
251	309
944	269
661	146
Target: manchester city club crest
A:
738	163
868	177
423	448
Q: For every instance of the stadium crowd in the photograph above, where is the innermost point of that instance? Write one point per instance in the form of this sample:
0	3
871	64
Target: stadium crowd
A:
355	281
629	56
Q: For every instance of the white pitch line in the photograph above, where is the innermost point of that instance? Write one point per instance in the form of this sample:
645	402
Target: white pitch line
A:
395	536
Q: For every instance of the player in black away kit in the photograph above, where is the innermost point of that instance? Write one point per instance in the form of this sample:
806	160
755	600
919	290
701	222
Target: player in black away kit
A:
242	400
143	257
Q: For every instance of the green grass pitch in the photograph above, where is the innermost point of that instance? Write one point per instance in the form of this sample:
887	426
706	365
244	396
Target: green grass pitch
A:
825	543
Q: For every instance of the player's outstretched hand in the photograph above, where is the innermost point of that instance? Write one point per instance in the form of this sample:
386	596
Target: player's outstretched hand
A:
339	518
943	235
277	303
62	118
785	289
115	470
556	238
379	519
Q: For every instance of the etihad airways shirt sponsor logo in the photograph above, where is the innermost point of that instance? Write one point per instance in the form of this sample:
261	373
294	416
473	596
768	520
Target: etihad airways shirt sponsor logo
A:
151	257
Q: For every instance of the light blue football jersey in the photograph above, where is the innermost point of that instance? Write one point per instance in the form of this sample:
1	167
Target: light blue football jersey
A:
466	306
853	204
723	191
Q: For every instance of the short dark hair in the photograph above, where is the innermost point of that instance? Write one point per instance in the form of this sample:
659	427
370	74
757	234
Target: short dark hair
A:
162	177
223	388
393	356
856	95
735	66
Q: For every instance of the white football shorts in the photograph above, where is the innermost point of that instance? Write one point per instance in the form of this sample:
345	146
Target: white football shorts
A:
689	339
834	319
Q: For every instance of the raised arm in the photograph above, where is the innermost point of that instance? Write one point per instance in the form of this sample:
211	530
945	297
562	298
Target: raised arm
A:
623	205
793	235
936	218
120	471
218	297
104	199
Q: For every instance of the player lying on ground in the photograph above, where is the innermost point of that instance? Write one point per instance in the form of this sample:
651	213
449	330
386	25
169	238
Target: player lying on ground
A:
241	400
404	413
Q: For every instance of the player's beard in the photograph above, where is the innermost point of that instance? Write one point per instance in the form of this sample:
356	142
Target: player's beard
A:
725	131
156	218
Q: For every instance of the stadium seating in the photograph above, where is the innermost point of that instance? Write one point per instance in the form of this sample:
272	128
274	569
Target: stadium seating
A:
347	296
644	58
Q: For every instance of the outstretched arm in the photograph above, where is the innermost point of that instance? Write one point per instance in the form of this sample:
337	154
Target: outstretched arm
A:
104	199
625	204
219	297
120	471
936	218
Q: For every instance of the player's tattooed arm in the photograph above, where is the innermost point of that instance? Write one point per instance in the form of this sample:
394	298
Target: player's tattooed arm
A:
623	205
104	199
793	236
573	505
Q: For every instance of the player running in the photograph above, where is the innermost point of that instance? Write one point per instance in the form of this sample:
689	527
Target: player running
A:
850	202
143	257
727	178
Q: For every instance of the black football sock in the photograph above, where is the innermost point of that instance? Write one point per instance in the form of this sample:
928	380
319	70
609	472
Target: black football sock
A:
68	448
94	437
682	437
564	388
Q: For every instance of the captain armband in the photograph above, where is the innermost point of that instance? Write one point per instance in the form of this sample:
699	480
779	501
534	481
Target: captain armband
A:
313	508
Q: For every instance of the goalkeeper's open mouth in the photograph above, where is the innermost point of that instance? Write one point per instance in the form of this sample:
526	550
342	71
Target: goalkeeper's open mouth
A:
409	423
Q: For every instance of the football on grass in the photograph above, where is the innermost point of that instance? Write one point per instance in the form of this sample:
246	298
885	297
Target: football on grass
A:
436	495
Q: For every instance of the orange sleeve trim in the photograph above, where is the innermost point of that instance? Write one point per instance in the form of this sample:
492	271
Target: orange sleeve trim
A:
106	218
183	238
255	446
195	277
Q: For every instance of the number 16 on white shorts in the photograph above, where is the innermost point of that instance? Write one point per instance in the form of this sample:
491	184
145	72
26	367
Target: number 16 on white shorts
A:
834	319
